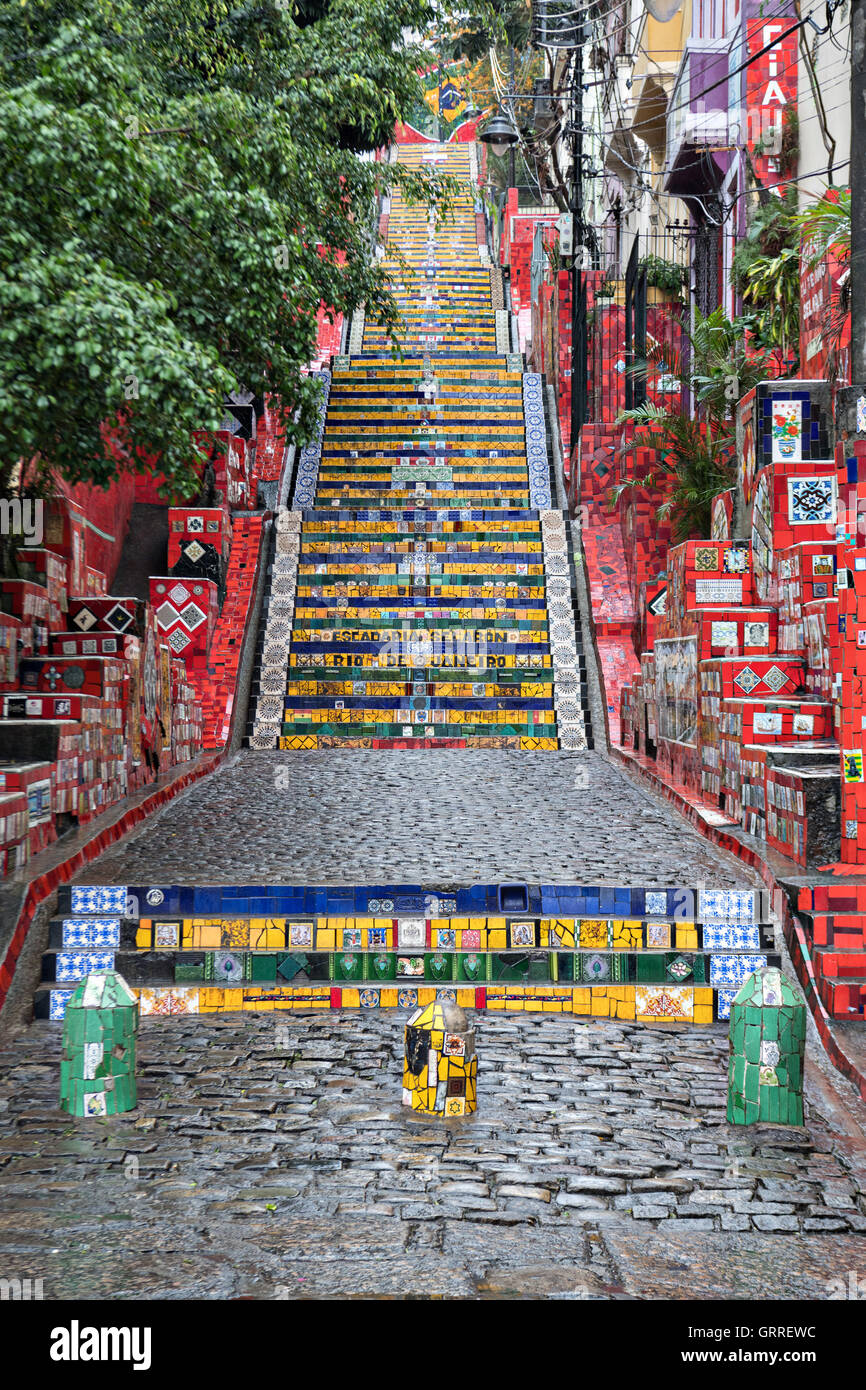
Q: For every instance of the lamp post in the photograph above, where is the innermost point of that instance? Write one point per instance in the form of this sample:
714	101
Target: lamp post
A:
501	135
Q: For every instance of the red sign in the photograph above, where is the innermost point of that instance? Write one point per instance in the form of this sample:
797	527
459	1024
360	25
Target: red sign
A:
771	90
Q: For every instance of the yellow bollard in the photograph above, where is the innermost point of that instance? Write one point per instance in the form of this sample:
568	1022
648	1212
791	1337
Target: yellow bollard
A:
440	1063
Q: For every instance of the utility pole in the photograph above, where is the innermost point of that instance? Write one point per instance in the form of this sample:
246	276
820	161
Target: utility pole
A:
578	225
512	152
858	192
847	397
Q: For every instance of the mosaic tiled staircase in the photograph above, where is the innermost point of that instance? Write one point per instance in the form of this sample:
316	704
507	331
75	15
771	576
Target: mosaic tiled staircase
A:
675	955
422	588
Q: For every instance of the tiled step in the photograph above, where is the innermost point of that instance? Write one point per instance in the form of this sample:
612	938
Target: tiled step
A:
429	599
674	954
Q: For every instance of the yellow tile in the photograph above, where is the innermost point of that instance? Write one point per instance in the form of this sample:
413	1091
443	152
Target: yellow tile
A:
460	923
686	936
350	998
593	933
704	997
210	1001
143	938
494	922
703	1014
496	939
562	931
326	939
627	935
254	1000
232	1000
210	938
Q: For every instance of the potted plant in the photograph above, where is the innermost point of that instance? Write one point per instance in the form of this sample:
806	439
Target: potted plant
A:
605	290
665	280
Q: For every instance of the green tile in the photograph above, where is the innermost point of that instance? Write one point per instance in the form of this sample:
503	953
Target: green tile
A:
263	967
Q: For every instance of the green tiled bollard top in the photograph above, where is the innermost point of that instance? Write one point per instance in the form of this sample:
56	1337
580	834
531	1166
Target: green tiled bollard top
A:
767	1039
97	1068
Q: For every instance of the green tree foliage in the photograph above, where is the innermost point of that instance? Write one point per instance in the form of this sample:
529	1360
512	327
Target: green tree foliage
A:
479	25
180	191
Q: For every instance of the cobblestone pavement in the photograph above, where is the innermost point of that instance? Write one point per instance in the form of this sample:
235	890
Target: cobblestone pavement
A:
274	1160
440	816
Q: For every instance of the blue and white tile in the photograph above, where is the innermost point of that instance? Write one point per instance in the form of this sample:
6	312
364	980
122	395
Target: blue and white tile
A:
74	965
734	907
734	970
729	938
57	1005
99	931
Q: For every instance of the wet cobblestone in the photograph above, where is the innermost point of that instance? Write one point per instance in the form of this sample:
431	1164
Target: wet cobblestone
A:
273	1159
467	816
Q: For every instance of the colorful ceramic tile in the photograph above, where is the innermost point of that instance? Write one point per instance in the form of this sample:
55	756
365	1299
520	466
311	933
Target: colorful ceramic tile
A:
411	933
671	1003
658	934
767	722
410	966
723	634
166	934
787	431
706	558
522	933
719	590
746	680
812	500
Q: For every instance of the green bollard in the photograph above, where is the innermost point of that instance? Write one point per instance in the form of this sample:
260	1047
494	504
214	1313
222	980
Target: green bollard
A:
97	1069
767	1040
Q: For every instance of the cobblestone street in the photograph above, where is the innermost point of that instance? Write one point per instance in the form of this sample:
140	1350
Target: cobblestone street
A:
466	815
273	1160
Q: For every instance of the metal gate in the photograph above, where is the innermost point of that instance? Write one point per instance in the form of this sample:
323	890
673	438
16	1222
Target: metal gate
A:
578	358
635	329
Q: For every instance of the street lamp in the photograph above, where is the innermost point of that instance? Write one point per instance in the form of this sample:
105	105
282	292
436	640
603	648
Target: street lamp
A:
500	134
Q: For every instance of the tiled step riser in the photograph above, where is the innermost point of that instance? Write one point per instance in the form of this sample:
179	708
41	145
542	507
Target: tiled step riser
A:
665	965
166	969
